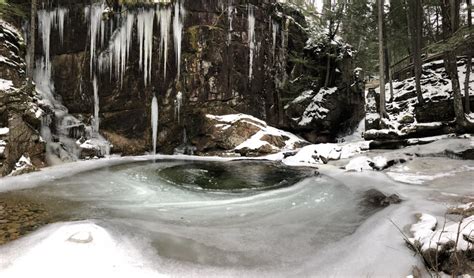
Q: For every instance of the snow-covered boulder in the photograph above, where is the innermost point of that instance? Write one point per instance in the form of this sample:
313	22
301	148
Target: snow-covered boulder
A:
245	135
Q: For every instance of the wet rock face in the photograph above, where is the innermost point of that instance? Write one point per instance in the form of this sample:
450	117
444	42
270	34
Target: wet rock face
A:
20	120
216	75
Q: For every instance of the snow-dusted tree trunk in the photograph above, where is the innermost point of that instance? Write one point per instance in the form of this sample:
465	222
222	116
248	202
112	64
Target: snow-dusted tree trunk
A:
381	58
31	43
416	30
467	105
450	25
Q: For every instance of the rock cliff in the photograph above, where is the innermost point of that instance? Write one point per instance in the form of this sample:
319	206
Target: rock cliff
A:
100	69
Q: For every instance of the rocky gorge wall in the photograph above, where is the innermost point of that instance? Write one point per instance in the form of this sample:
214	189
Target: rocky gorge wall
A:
105	68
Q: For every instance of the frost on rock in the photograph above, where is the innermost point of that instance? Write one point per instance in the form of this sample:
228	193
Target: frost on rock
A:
313	105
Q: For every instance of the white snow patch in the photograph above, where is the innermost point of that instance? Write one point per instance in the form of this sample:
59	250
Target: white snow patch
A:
429	238
4	130
5	84
81	249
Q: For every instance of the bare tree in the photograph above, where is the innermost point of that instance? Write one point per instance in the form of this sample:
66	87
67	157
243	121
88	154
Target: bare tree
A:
31	43
467	105
450	14
416	30
382	111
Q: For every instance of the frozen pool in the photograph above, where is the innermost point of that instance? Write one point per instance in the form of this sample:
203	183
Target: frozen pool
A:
231	215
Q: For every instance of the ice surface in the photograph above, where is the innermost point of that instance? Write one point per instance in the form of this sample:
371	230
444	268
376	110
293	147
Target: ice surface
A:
312	228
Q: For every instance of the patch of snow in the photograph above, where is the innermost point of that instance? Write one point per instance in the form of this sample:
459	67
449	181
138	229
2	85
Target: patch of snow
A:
322	153
4	130
359	164
429	238
425	226
232	118
23	163
5	85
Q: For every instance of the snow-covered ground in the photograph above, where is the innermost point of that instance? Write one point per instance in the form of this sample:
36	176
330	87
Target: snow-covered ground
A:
146	227
436	86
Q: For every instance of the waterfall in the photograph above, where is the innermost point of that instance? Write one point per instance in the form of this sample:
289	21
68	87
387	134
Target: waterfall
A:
164	18
145	21
177	34
177	105
251	38
65	148
154	121
275	29
96	106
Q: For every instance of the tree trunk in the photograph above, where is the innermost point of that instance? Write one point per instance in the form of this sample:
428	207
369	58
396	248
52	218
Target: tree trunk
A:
448	9
381	58
31	43
388	70
328	71
416	28
467	105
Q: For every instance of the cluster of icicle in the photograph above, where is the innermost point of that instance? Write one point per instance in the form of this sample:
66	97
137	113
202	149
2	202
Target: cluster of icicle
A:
117	50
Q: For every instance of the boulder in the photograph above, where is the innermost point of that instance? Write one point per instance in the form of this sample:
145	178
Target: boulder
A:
244	135
375	198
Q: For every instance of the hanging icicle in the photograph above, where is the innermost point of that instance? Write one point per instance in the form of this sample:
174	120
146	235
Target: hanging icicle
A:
178	34
154	121
145	22
96	123
164	18
251	38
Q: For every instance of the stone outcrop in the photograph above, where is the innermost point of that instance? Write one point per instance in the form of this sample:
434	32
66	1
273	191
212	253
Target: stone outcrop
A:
20	116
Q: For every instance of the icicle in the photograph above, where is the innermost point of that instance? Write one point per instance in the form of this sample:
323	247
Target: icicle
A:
145	23
118	51
177	33
251	37
275	28
154	122
178	103
96	106
61	15
96	27
164	17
